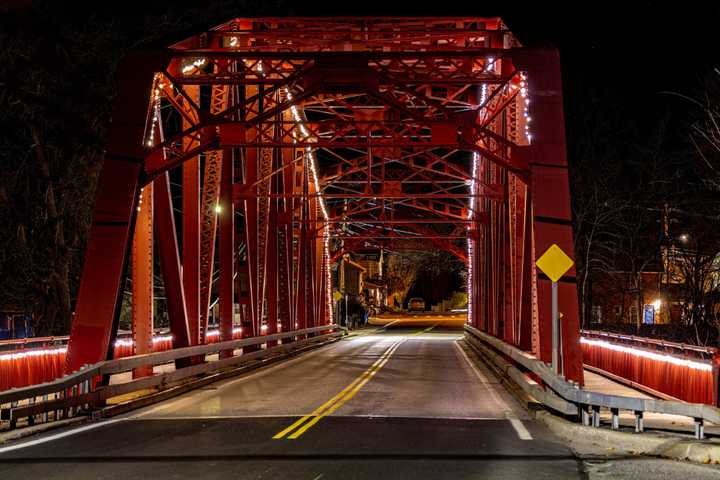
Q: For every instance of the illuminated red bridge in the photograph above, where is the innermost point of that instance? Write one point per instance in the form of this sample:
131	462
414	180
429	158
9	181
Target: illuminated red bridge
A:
300	137
248	159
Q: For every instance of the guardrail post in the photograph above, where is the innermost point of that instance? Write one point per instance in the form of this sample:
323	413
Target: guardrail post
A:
46	415
699	428
639	422
584	414
31	418
13	419
615	418
596	416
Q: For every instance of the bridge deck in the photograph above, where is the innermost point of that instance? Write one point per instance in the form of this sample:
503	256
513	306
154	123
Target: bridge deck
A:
413	407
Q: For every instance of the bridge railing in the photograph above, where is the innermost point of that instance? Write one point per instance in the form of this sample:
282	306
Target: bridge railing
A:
669	370
81	392
538	380
29	361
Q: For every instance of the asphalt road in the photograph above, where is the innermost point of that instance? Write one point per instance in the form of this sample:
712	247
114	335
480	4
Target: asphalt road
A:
404	403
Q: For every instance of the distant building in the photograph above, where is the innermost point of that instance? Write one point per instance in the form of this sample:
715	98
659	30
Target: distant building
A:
15	324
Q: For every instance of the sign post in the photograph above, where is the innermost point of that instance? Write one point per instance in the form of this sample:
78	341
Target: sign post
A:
555	263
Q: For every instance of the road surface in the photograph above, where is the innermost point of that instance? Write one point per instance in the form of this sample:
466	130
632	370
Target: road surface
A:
400	403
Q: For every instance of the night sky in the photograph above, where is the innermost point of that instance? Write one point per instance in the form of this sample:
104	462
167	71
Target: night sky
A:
631	49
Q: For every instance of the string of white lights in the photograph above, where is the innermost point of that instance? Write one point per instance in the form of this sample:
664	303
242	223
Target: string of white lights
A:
33	353
470	242
312	163
200	62
156	93
524	85
659	357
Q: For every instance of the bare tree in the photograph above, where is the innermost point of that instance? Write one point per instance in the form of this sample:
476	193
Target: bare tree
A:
401	273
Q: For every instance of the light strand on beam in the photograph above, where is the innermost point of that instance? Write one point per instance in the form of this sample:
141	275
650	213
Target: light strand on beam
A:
470	241
155	94
312	163
525	99
200	62
659	357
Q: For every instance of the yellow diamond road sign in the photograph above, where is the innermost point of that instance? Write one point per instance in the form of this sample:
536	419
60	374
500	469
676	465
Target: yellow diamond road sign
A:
554	263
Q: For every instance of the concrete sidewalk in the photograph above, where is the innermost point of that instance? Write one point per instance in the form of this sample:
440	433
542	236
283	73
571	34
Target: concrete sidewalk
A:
656	421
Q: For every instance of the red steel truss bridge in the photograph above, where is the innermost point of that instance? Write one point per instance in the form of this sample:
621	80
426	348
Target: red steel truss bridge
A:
295	140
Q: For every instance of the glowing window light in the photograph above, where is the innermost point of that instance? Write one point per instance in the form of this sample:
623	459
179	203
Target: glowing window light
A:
659	357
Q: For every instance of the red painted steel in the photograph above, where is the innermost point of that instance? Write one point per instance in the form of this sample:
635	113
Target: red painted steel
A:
98	304
170	262
684	382
142	285
338	134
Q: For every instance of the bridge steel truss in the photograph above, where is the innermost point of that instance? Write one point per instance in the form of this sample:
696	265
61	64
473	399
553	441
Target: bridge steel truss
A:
296	140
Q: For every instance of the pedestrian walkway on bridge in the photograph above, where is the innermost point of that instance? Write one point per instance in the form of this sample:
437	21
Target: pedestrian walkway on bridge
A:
656	421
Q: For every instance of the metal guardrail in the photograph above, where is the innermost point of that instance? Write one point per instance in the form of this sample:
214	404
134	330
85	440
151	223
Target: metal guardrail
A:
77	393
664	344
566	397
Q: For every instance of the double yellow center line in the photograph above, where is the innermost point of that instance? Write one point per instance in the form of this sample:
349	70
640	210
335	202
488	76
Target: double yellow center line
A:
303	424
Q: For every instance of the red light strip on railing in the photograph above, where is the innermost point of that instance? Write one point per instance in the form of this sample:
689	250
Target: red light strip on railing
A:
32	353
660	357
216	333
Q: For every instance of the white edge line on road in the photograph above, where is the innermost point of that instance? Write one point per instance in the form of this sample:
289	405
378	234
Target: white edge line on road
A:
57	436
519	427
516	423
500	403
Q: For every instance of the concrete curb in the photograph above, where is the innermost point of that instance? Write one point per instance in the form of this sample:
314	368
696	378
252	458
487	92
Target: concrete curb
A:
587	441
20	433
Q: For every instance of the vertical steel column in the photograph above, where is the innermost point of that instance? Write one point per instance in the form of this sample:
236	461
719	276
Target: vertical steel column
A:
219	100
271	254
142	280
285	258
550	196
226	247
251	235
304	285
208	234
170	264
191	245
191	231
